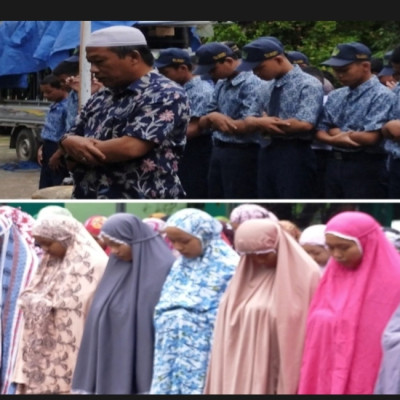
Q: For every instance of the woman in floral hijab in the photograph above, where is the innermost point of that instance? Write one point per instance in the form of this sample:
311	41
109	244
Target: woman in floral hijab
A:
55	305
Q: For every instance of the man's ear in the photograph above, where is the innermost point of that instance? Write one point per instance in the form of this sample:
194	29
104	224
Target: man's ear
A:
135	55
280	58
184	67
230	60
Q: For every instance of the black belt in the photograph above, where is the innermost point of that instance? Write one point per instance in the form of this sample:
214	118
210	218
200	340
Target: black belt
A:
296	141
356	155
232	145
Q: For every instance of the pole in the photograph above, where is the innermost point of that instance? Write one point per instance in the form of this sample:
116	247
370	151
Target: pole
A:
120	207
84	65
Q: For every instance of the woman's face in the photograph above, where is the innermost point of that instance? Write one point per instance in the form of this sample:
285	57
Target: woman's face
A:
51	247
187	245
319	253
122	251
267	260
344	251
100	241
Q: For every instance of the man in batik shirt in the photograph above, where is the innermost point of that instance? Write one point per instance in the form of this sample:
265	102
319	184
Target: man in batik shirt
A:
128	138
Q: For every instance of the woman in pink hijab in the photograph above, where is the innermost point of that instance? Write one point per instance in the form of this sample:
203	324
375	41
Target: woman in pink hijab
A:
260	326
357	295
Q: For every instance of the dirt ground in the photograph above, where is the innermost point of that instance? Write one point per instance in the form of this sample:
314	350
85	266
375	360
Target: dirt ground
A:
18	183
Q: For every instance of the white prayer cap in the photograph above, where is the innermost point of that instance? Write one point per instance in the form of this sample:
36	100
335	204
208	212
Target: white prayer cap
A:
114	36
314	235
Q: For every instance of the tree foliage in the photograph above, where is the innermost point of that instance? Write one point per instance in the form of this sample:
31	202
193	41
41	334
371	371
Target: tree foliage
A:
316	39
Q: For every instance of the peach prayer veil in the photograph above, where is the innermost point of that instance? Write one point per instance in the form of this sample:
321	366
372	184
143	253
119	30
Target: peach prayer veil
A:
260	326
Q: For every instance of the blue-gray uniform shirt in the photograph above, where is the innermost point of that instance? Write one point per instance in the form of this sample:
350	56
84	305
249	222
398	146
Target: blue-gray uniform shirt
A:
238	98
200	93
365	108
54	124
72	108
391	146
301	97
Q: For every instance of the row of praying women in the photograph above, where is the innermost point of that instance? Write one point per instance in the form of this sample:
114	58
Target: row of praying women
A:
124	305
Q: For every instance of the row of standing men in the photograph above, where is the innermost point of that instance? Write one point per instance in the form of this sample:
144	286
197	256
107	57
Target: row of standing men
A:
306	144
231	128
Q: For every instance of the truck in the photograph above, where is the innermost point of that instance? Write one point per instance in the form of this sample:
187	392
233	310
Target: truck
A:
22	118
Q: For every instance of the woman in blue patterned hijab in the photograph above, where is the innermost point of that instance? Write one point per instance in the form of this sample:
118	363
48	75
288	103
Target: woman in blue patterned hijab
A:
185	314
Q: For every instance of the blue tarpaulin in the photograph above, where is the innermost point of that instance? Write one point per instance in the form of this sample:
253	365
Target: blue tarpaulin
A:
31	46
18	42
21	165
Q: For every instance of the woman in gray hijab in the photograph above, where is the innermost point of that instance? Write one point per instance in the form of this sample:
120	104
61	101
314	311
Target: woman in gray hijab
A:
388	380
116	354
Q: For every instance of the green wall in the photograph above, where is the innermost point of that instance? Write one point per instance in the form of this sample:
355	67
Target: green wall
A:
83	210
383	212
33	208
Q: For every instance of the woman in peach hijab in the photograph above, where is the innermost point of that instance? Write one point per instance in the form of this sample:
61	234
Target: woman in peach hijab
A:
260	326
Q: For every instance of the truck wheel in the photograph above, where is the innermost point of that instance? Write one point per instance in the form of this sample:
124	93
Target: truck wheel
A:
26	146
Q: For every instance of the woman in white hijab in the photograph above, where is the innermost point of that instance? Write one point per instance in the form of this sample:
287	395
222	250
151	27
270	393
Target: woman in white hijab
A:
312	239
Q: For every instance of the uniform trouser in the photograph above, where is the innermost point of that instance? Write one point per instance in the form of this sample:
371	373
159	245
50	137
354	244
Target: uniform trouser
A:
356	176
194	166
233	171
287	170
48	176
321	156
393	177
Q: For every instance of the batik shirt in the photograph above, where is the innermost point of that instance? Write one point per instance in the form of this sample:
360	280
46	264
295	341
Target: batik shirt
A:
238	98
200	93
365	108
391	146
153	109
301	98
54	124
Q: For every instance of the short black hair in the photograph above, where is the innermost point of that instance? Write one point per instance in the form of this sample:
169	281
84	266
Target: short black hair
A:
143	50
51	80
376	64
395	57
66	68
